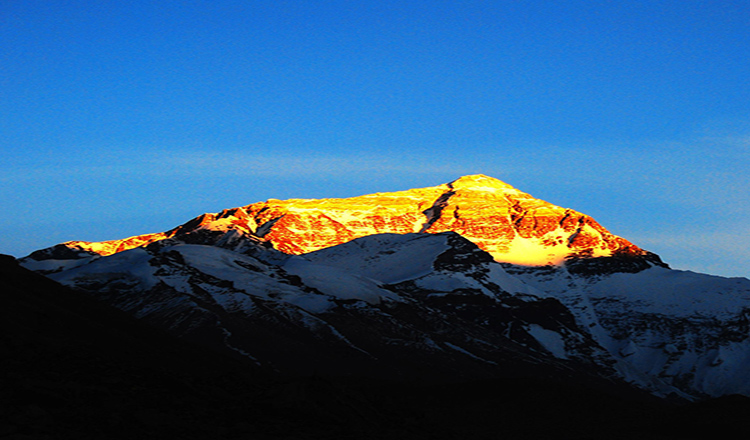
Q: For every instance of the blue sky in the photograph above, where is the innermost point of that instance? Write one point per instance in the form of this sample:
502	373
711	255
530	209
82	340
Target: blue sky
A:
121	118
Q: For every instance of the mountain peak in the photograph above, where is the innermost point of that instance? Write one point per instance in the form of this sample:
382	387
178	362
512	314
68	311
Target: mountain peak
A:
480	182
512	226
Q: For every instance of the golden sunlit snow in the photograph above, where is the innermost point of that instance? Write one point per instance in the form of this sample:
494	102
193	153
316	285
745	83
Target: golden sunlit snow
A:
509	224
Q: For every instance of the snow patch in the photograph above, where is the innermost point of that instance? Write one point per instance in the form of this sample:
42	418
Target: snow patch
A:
551	340
388	258
466	352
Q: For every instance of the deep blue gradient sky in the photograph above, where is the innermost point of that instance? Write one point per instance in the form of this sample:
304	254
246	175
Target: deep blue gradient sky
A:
122	118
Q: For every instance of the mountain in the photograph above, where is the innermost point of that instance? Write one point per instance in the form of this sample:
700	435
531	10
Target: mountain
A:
408	306
470	279
511	225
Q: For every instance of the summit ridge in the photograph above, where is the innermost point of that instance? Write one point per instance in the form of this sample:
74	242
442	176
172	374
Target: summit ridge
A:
480	182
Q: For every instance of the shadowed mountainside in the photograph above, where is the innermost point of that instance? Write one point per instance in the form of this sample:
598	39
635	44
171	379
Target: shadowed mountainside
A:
75	368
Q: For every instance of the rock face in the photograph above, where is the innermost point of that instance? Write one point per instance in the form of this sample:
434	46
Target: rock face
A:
511	225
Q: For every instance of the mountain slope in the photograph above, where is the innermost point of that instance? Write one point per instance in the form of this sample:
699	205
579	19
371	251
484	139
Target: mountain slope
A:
688	329
74	368
509	224
448	311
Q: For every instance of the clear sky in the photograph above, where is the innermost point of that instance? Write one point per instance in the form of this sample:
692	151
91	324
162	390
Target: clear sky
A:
121	118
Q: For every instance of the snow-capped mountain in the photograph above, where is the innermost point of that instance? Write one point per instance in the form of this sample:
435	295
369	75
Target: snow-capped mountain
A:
511	225
472	278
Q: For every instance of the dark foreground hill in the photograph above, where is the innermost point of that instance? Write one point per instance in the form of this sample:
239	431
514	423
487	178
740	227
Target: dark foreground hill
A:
75	368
